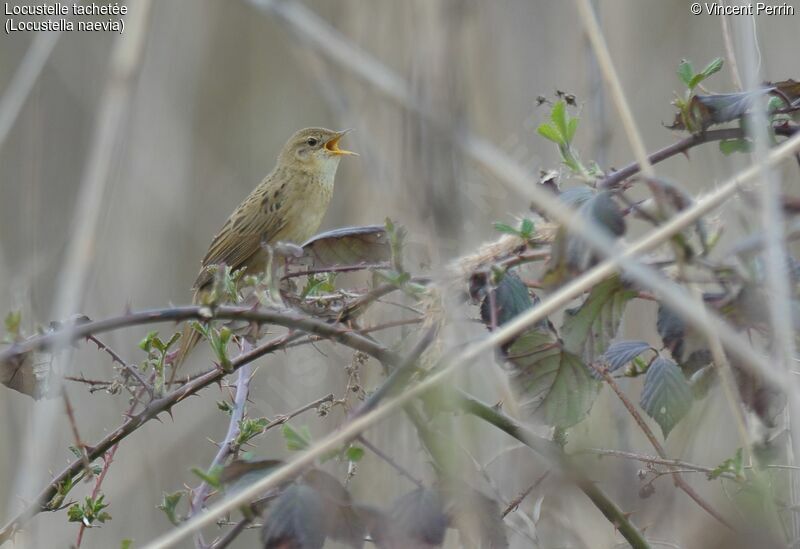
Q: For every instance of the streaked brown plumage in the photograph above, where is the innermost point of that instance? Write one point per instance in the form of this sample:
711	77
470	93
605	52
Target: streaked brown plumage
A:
287	206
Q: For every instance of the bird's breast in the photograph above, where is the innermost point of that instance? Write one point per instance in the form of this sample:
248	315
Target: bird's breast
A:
304	211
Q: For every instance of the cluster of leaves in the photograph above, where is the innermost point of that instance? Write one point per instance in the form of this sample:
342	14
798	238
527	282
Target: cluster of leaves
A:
91	511
554	371
550	368
157	351
697	112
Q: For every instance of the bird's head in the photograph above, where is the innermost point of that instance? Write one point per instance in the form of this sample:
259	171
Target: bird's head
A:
314	149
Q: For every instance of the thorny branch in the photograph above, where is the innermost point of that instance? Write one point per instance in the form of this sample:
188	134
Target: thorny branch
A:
157	406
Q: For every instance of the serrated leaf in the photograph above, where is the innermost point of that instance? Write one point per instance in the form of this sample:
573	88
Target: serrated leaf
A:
552	384
621	353
550	133
666	395
588	330
511	298
346	246
685	72
169	504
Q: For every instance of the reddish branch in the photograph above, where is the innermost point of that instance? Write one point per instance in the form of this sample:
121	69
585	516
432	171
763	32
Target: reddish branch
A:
615	178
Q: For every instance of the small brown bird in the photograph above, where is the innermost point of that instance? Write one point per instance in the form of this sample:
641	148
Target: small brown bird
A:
287	206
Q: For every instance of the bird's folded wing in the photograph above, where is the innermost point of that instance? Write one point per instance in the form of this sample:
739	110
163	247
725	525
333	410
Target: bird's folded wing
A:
235	247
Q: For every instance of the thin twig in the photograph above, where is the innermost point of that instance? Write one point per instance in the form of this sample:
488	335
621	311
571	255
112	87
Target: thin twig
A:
80	446
514	503
313	405
679	481
555	457
388	459
118	359
108	458
336	269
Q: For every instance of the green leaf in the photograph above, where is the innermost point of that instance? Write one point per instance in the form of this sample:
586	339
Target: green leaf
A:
550	133
685	72
621	353
211	477
75	513
147	343
126	544
511	298
503	228
169	504
552	384
250	428
572	127
89	512
12	322
296	439
732	465
559	117
526	228
713	67
354	453
588	330
666	395
730	146
775	103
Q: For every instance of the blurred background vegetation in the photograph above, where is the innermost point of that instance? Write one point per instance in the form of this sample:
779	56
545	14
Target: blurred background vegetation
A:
221	86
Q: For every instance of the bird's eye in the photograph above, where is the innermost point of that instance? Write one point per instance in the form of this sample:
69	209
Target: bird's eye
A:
312	141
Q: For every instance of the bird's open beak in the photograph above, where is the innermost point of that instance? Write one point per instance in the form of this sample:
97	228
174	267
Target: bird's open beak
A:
332	146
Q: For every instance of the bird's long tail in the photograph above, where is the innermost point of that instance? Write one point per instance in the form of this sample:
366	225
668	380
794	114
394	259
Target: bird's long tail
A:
189	340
